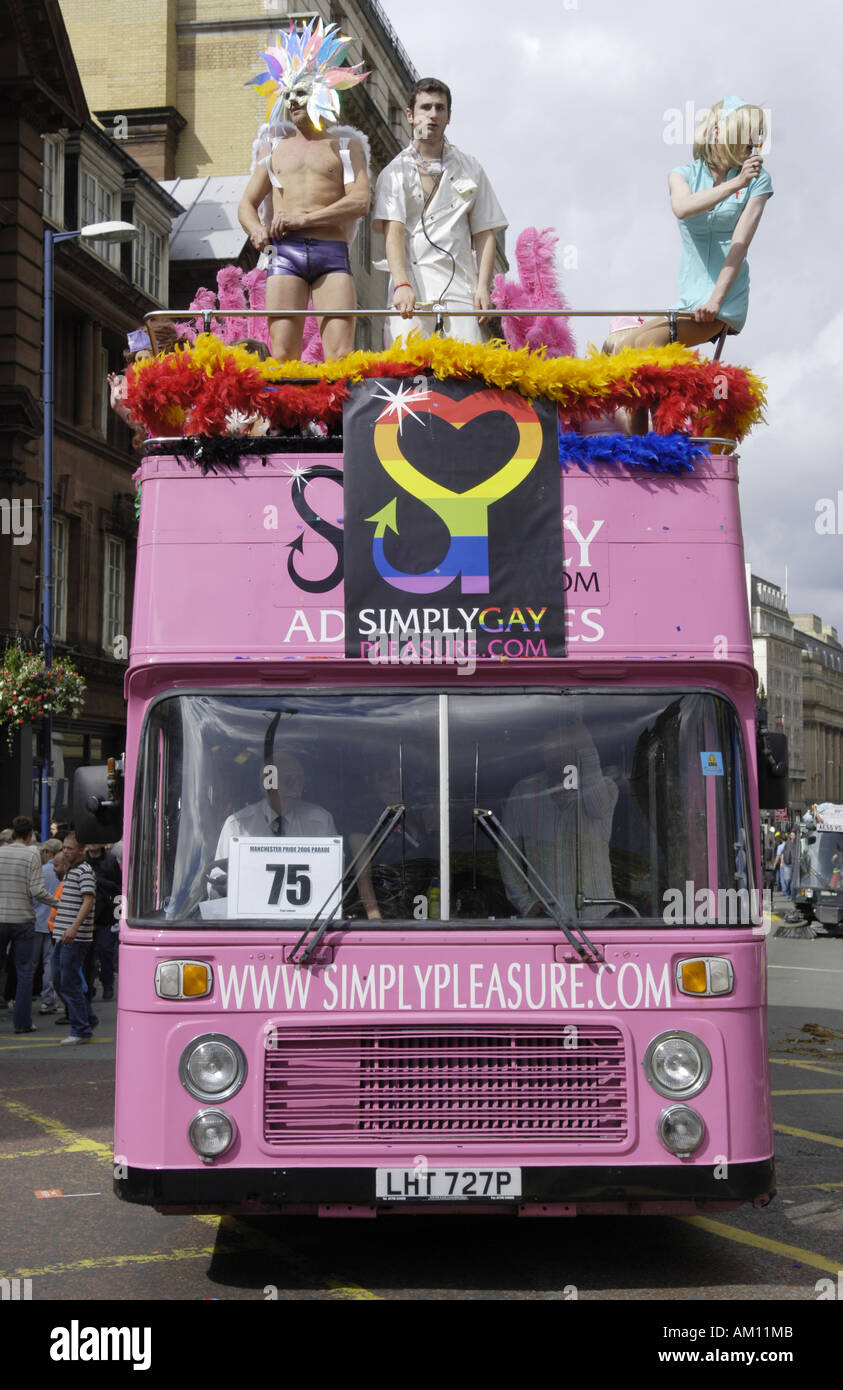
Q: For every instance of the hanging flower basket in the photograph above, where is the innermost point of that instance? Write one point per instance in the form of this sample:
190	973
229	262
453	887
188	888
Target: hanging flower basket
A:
29	690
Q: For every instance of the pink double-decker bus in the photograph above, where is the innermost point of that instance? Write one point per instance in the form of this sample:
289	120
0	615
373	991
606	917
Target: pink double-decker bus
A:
441	813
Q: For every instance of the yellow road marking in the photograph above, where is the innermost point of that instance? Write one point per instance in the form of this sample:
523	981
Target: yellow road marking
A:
809	1134
55	1085
806	1066
74	1142
775	1247
352	1291
117	1261
824	1091
55	1042
35	1153
71	1140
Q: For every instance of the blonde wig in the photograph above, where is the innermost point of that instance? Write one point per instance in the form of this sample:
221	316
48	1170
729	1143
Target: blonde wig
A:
722	136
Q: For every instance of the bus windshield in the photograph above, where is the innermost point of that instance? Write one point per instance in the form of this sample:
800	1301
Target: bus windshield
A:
626	805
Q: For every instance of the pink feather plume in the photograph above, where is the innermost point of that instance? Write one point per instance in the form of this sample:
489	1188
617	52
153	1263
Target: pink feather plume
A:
205	299
232	296
536	288
254	282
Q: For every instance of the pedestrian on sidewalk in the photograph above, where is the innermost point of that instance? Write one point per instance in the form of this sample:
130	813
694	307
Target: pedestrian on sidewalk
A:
21	887
74	929
43	956
109	877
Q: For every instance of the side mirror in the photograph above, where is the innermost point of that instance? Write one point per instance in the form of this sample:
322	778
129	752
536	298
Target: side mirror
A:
772	770
98	803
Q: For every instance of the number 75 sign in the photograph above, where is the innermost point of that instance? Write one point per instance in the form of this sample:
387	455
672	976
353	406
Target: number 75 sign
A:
283	879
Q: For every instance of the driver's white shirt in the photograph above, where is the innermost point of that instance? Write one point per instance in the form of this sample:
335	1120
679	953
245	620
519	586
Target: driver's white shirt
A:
258	820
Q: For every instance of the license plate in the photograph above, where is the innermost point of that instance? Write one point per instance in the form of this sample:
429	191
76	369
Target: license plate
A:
447	1184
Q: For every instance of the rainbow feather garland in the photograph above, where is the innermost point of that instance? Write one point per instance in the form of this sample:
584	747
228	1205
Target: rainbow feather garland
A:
191	390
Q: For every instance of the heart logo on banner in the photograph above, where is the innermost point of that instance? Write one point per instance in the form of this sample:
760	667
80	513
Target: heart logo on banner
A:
465	514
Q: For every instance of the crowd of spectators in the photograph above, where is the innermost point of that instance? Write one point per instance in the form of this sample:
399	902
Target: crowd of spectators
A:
59	918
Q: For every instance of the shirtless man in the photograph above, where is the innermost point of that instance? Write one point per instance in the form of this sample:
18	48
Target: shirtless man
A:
320	187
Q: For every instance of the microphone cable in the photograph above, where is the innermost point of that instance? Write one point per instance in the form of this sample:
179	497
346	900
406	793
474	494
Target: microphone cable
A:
443	250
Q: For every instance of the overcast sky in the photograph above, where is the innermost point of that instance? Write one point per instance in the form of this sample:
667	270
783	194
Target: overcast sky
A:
571	106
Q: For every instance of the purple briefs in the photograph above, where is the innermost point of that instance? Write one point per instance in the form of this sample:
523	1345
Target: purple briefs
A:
307	258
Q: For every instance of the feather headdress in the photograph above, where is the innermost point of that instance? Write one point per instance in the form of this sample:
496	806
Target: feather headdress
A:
301	65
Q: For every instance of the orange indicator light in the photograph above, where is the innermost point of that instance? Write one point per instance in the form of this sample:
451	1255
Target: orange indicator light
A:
694	978
195	979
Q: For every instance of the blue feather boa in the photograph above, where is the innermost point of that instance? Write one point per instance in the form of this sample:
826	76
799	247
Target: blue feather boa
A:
657	453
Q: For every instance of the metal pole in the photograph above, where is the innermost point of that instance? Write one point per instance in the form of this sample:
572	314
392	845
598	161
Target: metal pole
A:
50	239
47	531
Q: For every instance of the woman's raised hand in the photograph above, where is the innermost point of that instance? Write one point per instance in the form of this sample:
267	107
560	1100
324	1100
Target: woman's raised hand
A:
750	170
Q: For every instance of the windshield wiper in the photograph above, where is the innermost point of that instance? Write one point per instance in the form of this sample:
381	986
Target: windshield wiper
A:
384	825
542	892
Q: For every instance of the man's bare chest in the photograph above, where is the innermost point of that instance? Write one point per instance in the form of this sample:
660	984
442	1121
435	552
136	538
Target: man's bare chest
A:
319	160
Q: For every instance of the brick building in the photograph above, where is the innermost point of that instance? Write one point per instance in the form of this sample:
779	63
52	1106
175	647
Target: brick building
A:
58	169
187	115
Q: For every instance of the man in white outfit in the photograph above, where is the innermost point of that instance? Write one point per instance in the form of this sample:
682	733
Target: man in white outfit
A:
439	214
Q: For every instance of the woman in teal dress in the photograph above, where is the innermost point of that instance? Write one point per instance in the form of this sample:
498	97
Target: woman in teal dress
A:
718	199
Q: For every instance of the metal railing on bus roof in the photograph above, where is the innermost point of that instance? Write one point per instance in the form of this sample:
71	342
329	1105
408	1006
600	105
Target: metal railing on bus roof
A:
429	309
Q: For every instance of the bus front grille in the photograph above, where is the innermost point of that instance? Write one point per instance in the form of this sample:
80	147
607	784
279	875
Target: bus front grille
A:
330	1085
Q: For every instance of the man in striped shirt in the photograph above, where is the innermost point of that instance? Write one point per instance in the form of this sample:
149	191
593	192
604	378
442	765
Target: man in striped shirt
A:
21	886
74	931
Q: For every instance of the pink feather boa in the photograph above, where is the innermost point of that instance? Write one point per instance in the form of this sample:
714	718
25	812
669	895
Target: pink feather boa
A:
232	295
237	289
537	288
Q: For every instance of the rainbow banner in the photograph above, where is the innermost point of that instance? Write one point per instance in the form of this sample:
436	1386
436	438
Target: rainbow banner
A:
452	517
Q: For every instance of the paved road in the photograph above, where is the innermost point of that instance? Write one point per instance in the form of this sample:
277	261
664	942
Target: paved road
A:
61	1227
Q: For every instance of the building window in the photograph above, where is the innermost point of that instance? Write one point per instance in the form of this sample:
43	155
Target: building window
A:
96	204
60	538
114	588
53	206
148	255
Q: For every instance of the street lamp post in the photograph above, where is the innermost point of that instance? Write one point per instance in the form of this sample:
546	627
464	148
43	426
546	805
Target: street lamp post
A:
99	231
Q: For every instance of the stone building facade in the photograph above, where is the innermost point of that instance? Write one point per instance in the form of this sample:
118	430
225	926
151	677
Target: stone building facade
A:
59	170
778	660
822	707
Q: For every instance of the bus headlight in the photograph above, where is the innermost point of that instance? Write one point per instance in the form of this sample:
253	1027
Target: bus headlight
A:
212	1067
677	1064
681	1130
211	1134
